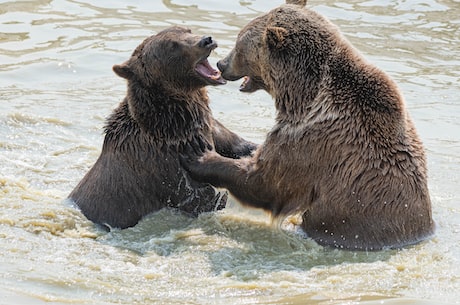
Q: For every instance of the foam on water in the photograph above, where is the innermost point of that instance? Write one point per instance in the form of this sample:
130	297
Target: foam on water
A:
57	89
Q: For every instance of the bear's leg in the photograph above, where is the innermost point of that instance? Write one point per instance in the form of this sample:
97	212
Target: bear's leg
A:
239	176
229	144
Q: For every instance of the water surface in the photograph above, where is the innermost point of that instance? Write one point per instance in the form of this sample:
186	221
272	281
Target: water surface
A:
57	87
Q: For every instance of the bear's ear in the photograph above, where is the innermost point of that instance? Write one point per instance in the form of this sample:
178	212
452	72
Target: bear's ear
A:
300	3
123	70
276	37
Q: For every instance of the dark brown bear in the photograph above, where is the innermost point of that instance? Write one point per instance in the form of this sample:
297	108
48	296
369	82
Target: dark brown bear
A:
343	152
166	109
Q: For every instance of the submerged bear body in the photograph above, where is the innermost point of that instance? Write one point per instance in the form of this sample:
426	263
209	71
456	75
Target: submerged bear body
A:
343	153
166	110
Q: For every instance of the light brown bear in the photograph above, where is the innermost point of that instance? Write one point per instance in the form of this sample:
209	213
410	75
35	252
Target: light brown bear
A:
343	152
165	110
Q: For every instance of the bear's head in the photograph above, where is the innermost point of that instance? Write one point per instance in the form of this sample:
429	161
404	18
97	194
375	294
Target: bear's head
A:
174	58
273	50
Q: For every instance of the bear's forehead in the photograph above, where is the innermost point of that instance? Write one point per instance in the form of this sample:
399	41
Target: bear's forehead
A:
176	34
286	16
175	30
255	27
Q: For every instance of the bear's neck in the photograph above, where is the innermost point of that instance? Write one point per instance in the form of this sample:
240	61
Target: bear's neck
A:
171	119
294	99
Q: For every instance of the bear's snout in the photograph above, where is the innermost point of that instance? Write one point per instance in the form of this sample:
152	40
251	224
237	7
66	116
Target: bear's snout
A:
206	42
225	67
222	65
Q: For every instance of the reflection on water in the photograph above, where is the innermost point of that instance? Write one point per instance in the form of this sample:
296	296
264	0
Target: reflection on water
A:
57	88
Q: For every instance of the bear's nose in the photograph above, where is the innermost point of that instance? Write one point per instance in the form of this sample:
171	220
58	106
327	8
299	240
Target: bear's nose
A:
221	65
205	41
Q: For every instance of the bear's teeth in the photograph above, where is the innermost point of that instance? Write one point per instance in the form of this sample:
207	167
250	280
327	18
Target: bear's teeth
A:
245	81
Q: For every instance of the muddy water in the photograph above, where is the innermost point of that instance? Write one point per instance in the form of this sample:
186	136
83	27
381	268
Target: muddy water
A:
56	89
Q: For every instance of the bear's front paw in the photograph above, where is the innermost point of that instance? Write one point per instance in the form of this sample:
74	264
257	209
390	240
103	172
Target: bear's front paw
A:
196	165
189	160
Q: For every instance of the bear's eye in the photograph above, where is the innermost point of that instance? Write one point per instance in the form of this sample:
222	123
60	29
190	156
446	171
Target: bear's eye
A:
174	48
174	45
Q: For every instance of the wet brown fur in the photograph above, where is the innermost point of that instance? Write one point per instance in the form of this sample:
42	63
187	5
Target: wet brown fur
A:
166	109
343	152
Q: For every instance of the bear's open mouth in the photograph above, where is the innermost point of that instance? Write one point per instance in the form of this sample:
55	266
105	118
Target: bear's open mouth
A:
252	83
212	75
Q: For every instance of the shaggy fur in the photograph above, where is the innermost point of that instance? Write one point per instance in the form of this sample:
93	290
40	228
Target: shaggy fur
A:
166	109
343	152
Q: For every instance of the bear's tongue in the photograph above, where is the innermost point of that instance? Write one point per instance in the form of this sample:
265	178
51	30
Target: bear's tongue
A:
204	69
